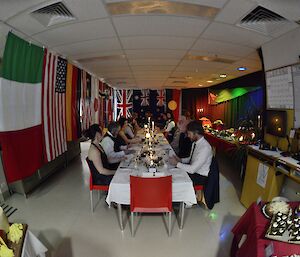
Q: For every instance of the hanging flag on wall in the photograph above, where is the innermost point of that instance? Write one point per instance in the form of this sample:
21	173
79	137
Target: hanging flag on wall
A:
123	103
54	105
20	108
161	97
156	101
145	97
72	117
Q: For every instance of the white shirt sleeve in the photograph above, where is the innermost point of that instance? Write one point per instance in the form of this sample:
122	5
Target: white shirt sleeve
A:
200	162
170	126
108	146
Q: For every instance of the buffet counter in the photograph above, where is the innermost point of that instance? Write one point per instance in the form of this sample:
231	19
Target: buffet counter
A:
221	144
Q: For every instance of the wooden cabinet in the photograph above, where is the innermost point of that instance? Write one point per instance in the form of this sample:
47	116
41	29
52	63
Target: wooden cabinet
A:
251	189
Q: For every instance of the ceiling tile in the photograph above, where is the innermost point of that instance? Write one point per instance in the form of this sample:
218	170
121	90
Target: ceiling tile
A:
27	24
202	64
218	47
159	25
234	10
152	68
91	46
155	54
153	61
195	54
87	9
3	33
97	54
155	42
254	55
234	34
10	8
77	32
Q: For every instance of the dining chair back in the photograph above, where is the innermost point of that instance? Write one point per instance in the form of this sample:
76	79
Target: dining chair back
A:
151	195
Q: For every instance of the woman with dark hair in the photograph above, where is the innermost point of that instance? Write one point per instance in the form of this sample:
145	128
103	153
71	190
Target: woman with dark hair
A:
102	172
170	127
123	137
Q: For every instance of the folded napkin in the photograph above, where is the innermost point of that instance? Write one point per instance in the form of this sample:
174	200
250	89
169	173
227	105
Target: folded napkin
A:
153	174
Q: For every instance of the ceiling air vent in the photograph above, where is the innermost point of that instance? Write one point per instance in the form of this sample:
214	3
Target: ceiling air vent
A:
53	14
266	22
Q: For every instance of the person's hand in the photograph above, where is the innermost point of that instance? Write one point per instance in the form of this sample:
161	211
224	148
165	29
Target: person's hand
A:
129	151
173	160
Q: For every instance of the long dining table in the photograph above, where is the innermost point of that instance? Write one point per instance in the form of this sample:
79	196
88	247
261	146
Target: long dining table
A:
182	186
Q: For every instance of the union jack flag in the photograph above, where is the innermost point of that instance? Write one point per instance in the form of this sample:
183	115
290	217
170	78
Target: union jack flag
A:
145	97
161	96
123	103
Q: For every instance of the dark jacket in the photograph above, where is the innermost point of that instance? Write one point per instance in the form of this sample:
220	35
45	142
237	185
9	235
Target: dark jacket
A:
212	188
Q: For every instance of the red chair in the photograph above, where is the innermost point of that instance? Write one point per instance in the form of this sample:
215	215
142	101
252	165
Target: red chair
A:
151	195
93	187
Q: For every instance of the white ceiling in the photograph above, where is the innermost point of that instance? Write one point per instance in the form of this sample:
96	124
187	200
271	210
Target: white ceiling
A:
149	50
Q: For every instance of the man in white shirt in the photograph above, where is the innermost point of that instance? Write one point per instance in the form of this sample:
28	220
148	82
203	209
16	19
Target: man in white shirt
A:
197	165
108	144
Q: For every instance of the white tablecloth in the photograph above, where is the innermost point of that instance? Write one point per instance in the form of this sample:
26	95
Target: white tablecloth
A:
182	186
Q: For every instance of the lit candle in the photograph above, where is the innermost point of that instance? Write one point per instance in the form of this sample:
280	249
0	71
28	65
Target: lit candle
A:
152	125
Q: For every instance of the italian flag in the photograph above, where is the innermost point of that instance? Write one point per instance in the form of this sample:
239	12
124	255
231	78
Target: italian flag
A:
20	108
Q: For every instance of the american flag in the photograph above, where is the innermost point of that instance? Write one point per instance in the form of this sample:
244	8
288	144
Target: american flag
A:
54	105
145	97
123	102
160	97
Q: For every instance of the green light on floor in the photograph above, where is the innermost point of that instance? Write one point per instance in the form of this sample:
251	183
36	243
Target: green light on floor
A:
213	216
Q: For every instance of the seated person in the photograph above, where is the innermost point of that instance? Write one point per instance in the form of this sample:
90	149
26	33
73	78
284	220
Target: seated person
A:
123	135
96	158
134	126
113	149
197	165
170	127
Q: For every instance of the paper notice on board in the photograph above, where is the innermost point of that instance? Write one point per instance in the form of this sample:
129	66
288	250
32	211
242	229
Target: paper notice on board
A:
262	175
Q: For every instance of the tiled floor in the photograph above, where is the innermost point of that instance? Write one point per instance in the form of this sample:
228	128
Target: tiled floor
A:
58	213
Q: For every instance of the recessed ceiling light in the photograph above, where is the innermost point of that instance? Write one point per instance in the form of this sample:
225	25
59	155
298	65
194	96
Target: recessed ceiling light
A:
209	81
223	75
241	68
200	85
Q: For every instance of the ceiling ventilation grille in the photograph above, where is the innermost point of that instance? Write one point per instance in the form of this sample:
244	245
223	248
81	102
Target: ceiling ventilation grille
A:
53	14
266	22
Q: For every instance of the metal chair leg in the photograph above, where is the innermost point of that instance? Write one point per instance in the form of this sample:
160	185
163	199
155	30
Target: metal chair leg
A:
170	223
91	199
132	224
